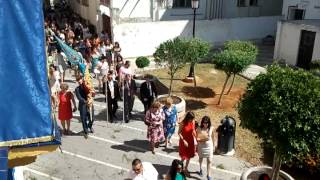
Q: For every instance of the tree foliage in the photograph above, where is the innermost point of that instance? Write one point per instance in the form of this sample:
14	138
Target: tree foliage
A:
142	62
171	54
282	107
196	50
235	58
232	61
245	46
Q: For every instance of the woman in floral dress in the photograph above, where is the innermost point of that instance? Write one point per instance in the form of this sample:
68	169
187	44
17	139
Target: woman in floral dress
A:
154	120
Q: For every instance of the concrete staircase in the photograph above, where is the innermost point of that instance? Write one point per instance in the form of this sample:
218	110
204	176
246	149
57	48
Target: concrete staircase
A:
265	55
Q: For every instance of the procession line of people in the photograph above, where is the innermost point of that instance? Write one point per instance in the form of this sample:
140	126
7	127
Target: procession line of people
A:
115	81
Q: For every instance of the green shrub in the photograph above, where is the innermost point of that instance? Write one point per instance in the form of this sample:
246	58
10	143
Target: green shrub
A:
142	62
282	107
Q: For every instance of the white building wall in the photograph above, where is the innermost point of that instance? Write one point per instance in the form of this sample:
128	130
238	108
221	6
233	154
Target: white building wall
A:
142	39
87	12
312	7
288	41
316	49
264	8
133	8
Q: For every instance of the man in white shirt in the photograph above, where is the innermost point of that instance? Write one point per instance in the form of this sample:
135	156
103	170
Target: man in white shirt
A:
124	70
142	171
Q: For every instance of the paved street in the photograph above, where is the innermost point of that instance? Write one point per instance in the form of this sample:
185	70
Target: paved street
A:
107	154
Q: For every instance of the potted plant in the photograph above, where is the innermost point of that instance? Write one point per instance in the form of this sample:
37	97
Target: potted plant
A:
142	62
172	54
282	108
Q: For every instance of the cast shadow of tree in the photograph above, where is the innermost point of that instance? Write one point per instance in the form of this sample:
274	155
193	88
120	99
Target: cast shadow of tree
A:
192	104
198	92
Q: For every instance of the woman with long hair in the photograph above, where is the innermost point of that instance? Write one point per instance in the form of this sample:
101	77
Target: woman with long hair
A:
116	51
109	48
205	144
187	136
176	171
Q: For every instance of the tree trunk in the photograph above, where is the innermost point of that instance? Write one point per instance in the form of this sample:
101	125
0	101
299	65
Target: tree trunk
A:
234	75
170	87
191	71
194	77
224	86
276	165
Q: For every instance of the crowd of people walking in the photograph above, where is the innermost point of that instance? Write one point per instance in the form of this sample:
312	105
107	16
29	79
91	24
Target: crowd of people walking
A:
115	81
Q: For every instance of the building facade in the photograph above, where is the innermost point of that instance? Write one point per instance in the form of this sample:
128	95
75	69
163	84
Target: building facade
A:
141	25
298	35
298	42
301	9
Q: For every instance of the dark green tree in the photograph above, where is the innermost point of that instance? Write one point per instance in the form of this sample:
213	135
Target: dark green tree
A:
142	62
171	54
197	49
282	107
231	62
245	46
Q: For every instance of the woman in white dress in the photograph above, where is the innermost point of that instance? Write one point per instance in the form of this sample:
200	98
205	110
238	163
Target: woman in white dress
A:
205	144
103	68
54	83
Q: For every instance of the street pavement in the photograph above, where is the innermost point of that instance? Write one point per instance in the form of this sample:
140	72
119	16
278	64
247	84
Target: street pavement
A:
109	151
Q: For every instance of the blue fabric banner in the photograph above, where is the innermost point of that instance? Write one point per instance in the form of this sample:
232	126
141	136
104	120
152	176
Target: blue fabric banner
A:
25	113
72	55
3	162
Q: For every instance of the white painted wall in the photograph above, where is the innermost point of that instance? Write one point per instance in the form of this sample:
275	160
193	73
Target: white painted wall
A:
138	39
87	12
133	8
312	7
316	49
264	8
288	40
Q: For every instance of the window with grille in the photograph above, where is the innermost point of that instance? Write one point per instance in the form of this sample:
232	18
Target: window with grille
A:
181	3
253	2
241	3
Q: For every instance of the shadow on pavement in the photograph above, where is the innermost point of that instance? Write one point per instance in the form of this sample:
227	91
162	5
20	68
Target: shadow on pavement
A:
170	149
162	170
135	145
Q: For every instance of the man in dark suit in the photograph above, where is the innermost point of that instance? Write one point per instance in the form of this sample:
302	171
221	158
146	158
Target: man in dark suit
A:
112	95
148	93
85	116
129	92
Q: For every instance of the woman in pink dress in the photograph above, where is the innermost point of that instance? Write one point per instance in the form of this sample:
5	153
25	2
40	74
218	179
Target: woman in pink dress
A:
65	108
187	134
154	120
